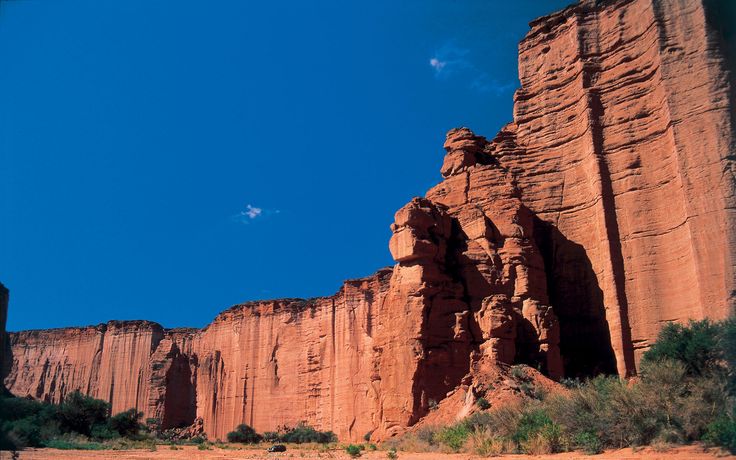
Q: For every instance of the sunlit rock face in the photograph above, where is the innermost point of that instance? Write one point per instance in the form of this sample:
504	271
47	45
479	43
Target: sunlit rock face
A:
602	211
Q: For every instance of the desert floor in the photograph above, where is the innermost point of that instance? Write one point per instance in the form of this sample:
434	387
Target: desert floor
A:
192	453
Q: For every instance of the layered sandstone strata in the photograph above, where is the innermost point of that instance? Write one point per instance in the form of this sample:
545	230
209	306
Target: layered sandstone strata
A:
604	210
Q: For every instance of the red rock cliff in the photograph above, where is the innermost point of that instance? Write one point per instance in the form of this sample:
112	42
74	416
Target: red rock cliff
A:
605	209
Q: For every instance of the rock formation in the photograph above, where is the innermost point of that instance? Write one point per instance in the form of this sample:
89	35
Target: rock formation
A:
605	209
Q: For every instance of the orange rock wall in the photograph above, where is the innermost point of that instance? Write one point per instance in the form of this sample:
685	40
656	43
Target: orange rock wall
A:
267	364
625	145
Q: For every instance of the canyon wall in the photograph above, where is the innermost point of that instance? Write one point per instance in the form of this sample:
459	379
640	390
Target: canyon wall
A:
602	211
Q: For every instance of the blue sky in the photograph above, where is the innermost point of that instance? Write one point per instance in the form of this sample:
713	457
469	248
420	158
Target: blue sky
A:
165	160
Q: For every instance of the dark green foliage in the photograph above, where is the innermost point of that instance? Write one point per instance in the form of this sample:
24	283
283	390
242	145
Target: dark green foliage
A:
722	432
126	423
696	346
353	450
453	436
244	434
79	413
103	433
588	442
367	436
304	433
153	425
483	404
530	424
77	423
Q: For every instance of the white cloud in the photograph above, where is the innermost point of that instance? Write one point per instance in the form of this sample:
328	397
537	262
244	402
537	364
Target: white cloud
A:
251	213
436	64
451	61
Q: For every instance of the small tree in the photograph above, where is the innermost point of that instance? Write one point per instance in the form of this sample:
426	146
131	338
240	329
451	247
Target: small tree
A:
696	345
353	450
79	413
126	423
244	434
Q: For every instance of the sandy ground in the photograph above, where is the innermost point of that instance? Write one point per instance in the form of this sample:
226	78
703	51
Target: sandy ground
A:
192	453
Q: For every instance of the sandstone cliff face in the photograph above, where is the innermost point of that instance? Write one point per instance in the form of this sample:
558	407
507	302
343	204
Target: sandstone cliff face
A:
605	209
267	364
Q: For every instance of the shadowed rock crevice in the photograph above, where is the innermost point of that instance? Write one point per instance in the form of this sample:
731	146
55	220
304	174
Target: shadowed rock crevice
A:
180	404
577	299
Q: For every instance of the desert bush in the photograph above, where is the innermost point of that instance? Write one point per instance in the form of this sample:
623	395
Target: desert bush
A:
453	436
353	450
483	404
244	434
588	442
722	432
153	425
126	423
304	433
79	413
484	443
391	454
428	434
697	346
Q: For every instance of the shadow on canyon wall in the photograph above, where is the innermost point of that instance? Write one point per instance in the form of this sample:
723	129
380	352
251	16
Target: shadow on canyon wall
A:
577	300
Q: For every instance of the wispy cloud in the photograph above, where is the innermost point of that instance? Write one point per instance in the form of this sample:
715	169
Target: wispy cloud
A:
449	59
437	65
251	213
453	61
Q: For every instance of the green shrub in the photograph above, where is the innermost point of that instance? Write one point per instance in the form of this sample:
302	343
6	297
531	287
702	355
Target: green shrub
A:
271	436
79	413
103	432
722	432
391	454
197	440
367	436
695	345
483	404
304	433
153	425
588	442
126	423
530	424
353	450
65	444
454	436
244	434
25	432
